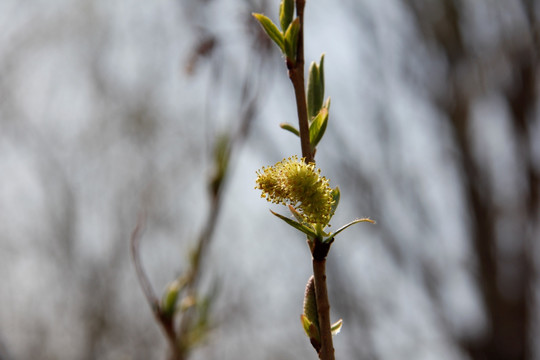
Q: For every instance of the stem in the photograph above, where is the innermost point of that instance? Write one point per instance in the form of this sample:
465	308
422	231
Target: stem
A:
166	323
326	351
296	74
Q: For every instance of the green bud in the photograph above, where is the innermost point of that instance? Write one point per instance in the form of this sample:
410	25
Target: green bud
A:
291	39
318	127
187	302
170	297
310	303
315	88
286	10
296	214
271	30
336	327
310	317
289	127
336	194
221	162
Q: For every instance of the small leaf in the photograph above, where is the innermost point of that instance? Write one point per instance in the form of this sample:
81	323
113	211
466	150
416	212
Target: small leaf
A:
170	298
310	302
310	317
187	302
315	88
289	127
306	324
335	196
347	225
313	79
303	228
336	327
271	29
221	162
321	75
311	332
327	104
296	214
318	127
286	10
291	39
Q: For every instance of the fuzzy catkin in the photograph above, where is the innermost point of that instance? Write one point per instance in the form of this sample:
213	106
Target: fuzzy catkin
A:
293	182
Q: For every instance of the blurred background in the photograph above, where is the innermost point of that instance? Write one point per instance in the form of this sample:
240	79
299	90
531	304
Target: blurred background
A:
111	108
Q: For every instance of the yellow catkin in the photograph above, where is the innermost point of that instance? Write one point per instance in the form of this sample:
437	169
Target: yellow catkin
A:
292	181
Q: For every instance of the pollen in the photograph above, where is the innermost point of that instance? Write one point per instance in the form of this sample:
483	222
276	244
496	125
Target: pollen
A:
293	182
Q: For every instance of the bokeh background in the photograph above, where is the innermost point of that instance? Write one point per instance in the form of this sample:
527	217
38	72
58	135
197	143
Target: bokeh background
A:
110	108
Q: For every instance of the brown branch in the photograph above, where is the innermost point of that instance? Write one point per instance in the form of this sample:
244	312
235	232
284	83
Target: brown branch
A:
165	322
250	92
196	267
323	307
141	274
296	74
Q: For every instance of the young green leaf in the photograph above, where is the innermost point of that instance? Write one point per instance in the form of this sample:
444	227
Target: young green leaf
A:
306	324
336	327
312	332
335	196
271	30
291	39
296	214
303	228
315	88
187	302
310	318
327	104
321	75
332	235
289	127
318	127
221	161
170	298
312	90
286	10
310	302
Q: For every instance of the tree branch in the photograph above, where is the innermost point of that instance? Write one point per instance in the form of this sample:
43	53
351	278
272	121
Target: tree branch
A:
166	323
296	74
323	307
141	275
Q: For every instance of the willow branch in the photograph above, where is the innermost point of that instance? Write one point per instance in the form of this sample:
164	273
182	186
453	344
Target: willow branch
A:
165	323
323	307
296	74
141	274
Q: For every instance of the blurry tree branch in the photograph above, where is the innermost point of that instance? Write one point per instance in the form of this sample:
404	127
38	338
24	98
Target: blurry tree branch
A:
192	309
509	315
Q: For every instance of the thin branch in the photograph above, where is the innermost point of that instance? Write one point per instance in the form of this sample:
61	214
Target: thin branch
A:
141	274
165	322
296	74
250	92
323	307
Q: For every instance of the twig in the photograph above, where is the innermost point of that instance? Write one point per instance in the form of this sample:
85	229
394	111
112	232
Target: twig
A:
323	307
166	323
141	275
296	74
197	258
216	201
178	326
